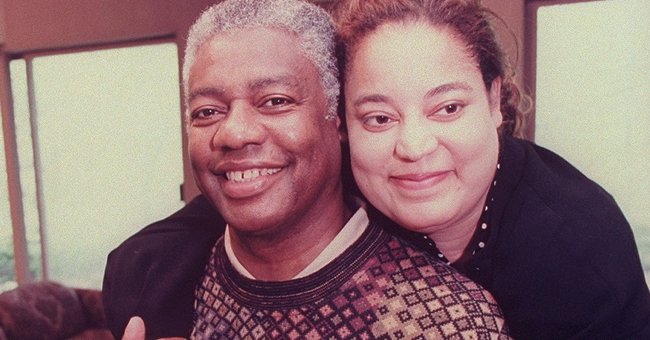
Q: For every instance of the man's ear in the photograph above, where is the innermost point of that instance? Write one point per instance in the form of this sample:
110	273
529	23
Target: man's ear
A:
343	131
495	102
343	136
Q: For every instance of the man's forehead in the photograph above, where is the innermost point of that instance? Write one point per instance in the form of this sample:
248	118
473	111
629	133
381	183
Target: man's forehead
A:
252	33
258	47
290	82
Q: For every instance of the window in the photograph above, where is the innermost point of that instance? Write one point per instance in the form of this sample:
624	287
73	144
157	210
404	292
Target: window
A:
592	99
99	142
7	265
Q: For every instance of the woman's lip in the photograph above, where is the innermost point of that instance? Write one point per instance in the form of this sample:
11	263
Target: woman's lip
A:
419	181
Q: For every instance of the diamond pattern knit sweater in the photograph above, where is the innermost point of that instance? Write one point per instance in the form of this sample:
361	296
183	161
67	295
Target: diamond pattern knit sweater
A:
381	287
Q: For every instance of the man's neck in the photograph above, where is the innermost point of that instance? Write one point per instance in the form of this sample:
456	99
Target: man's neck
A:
281	255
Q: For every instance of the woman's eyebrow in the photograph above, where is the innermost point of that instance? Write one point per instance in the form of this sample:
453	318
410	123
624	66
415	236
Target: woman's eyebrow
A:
438	90
448	87
371	98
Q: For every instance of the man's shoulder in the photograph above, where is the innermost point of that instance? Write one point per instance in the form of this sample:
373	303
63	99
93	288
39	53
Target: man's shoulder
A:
407	274
401	256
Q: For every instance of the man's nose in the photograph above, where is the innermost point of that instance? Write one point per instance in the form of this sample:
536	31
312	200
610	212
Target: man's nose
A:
241	127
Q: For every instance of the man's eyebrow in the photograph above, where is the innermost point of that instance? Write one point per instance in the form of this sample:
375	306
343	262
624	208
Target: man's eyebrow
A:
449	87
253	85
271	81
205	92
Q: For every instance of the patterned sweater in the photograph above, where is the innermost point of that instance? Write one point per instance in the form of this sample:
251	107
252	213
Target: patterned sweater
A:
381	287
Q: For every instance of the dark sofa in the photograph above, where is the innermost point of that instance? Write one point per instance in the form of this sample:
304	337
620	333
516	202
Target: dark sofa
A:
50	311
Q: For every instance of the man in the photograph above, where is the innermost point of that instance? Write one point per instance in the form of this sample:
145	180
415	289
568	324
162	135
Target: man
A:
296	259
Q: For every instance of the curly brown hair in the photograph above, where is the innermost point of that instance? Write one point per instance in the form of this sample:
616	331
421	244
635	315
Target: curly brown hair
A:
470	21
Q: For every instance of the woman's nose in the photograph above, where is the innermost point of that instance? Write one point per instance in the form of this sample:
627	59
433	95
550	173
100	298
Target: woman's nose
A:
415	140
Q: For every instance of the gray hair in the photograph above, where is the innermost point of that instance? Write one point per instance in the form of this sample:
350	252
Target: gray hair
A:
310	23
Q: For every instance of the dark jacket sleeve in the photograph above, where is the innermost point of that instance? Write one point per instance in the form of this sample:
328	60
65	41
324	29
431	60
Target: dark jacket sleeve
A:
153	274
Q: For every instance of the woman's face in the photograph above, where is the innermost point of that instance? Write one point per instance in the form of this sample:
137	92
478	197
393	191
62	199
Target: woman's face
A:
422	127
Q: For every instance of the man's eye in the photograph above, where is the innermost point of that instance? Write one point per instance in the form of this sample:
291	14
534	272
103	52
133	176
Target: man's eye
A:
203	113
276	101
206	115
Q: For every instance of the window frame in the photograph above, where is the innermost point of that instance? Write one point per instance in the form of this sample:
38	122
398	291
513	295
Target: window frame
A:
14	180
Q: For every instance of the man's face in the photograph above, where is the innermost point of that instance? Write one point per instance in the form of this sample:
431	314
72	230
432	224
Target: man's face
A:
261	149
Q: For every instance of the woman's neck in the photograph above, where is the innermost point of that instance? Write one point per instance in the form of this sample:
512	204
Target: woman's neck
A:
453	245
453	241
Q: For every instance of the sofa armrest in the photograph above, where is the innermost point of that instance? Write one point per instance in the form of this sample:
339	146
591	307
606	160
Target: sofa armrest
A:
93	307
41	310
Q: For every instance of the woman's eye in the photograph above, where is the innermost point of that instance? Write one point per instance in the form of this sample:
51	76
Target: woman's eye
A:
382	120
449	109
377	121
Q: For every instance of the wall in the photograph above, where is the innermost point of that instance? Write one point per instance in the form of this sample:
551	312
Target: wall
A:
33	25
512	35
512	12
2	22
37	25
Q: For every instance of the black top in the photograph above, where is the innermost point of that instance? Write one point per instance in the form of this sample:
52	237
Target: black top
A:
153	274
560	258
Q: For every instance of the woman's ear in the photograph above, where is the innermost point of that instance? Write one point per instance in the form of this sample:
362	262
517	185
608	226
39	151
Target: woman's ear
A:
495	102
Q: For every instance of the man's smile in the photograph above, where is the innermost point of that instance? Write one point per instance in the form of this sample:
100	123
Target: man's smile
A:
250	174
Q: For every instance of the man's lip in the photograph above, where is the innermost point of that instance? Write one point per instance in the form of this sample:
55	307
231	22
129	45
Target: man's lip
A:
225	167
250	174
249	180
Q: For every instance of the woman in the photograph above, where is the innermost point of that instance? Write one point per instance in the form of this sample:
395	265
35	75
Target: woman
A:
430	112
